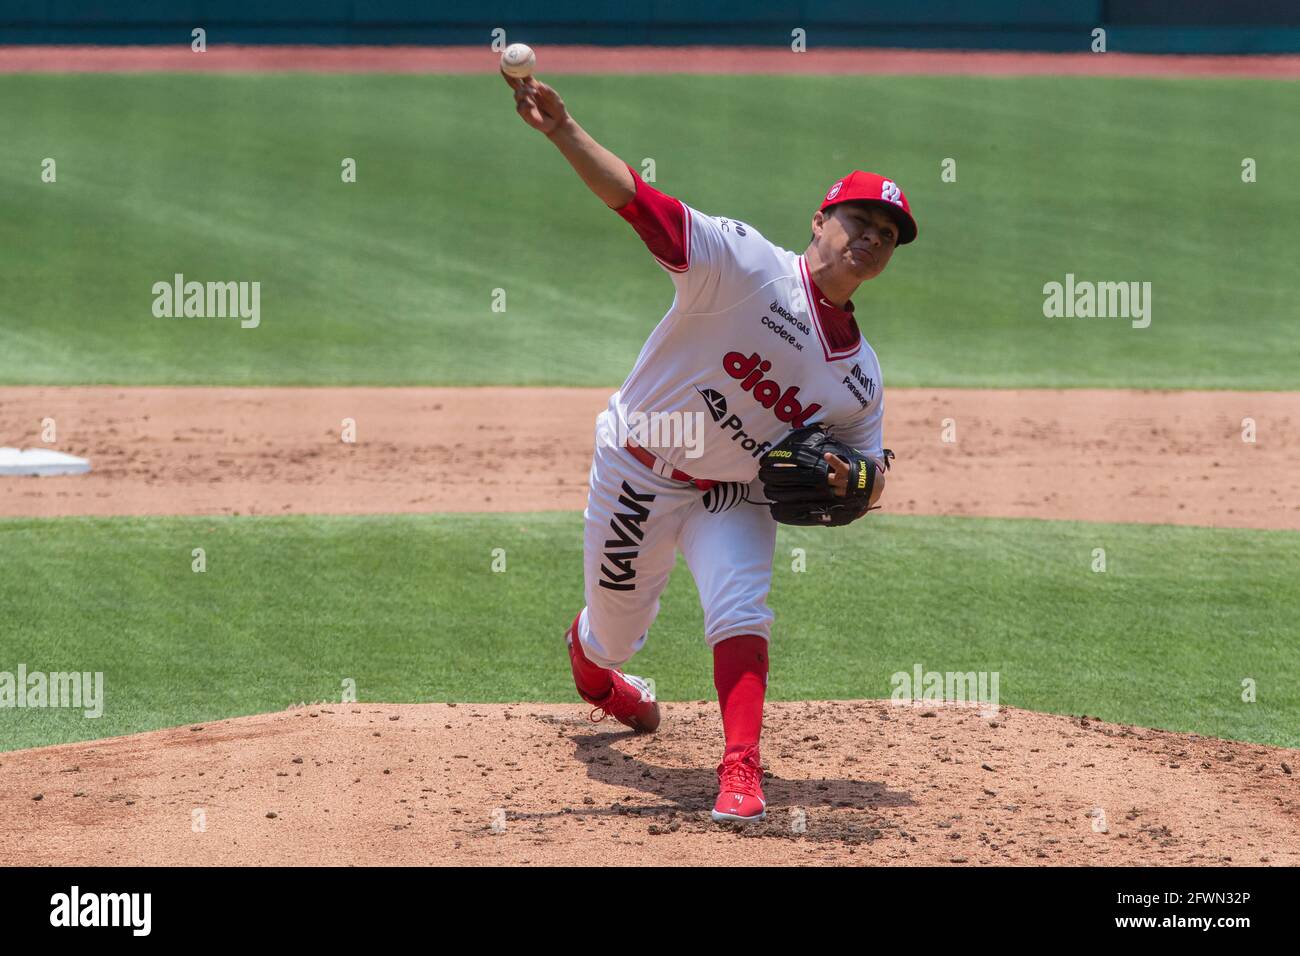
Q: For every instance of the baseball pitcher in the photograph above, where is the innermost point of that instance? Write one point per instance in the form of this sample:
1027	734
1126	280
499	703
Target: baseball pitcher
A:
761	348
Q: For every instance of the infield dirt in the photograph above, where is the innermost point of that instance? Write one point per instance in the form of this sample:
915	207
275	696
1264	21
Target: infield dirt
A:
1088	455
856	783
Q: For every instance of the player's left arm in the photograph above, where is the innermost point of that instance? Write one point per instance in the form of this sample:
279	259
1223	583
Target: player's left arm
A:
866	435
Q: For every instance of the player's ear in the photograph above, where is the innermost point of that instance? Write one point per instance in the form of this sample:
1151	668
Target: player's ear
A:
818	219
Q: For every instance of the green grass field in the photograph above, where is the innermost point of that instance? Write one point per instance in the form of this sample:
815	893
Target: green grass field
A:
390	280
410	609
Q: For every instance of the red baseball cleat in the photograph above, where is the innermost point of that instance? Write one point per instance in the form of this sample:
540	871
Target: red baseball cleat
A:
740	788
630	700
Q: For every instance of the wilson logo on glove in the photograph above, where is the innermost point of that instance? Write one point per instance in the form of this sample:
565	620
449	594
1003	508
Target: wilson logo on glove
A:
797	480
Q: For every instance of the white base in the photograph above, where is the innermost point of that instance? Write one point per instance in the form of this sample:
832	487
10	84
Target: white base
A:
40	461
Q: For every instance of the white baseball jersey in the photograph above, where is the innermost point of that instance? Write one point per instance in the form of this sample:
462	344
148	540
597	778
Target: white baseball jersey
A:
750	344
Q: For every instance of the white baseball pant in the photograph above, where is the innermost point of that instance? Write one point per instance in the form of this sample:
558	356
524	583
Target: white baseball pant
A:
636	522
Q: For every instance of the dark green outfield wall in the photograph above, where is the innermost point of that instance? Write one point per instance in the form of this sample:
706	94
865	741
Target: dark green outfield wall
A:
1141	26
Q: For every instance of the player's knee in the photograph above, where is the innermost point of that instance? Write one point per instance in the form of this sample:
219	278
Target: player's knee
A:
611	642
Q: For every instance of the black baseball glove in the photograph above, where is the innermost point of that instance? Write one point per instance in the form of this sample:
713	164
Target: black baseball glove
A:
796	479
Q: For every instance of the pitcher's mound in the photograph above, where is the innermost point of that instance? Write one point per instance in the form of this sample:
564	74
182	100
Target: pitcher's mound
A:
860	782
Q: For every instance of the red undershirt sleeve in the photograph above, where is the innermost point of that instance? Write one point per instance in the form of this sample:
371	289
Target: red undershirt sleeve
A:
661	222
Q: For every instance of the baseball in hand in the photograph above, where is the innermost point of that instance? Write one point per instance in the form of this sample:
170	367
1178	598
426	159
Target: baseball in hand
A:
518	61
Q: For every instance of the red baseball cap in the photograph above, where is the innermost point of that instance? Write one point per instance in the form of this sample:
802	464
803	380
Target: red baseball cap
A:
858	186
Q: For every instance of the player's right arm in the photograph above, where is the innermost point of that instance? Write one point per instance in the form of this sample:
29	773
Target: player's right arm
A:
604	173
697	250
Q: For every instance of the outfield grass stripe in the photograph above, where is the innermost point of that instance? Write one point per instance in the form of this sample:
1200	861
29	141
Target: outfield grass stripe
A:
409	608
390	279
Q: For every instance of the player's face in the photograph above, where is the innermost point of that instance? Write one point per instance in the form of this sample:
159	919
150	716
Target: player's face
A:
858	238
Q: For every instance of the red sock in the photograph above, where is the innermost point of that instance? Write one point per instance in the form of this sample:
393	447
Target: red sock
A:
592	679
740	675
